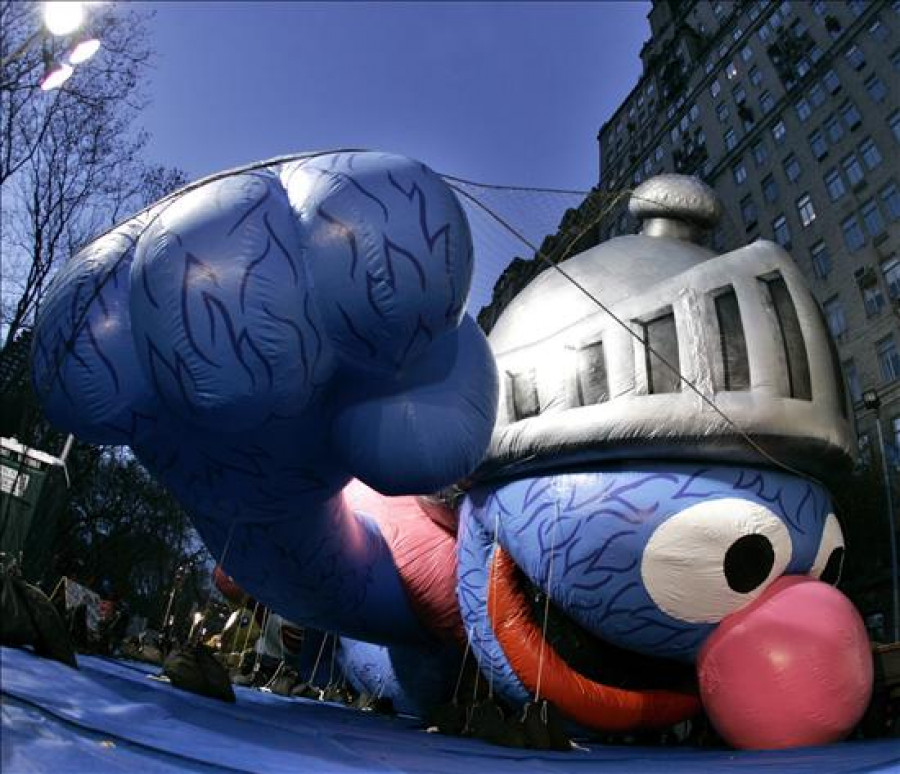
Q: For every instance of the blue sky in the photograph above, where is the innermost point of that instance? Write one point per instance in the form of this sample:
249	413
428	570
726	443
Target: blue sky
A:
503	92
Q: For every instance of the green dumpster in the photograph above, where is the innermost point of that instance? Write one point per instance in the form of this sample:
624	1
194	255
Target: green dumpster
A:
32	484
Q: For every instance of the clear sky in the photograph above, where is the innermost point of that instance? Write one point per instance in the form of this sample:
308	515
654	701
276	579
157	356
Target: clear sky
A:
506	92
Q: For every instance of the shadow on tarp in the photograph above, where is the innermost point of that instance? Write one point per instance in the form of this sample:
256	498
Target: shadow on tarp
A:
111	717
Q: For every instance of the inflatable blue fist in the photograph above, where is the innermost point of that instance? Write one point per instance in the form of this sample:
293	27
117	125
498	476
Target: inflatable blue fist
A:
340	278
265	337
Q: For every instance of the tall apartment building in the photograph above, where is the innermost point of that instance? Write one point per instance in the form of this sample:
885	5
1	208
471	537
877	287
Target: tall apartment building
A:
791	112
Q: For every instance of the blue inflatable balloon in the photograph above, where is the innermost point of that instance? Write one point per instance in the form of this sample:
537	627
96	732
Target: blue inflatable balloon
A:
285	347
263	338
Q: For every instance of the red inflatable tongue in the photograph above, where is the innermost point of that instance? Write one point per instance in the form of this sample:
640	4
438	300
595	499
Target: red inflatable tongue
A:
794	668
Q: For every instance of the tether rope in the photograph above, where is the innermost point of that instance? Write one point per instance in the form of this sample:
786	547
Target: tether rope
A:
540	674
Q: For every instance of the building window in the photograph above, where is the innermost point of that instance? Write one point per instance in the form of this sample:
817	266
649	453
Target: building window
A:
855	57
775	20
850	115
871	155
853	233
766	102
748	212
779	132
805	210
818	145
890	269
894	123
832	82
835	184
760	153
715	88
834	128
890	197
694	113
878	30
875	87
591	381
816	95
835	317
791	339
871	216
755	75
791	167
782	232
854	386
873	298
853	169
739	95
735	363
821	259
746	53
722	112
888	359
864	450
730	139
770	189
740	172
803	108
731	71
660	335
819	7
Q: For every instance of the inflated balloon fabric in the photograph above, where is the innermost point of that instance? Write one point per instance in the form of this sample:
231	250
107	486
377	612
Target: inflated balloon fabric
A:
791	670
285	348
640	567
264	337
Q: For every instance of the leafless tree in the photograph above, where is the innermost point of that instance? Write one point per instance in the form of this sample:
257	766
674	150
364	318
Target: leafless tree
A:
71	160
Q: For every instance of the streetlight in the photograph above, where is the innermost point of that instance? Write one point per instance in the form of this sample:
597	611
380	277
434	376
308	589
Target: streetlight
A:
872	401
84	50
55	75
60	20
63	18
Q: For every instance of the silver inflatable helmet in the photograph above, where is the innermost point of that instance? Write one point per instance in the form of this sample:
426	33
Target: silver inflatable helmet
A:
579	388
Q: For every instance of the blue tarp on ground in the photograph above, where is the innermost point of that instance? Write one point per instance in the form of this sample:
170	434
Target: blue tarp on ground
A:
111	717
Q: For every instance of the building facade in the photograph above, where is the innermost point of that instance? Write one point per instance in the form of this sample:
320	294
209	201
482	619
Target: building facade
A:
791	112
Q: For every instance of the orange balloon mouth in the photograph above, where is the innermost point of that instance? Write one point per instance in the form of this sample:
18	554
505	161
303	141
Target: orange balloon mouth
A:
542	670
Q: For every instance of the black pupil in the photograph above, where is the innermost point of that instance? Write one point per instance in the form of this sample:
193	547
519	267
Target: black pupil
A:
748	562
832	572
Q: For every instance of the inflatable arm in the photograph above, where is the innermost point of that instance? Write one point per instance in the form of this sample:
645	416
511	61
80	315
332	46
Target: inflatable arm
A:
263	338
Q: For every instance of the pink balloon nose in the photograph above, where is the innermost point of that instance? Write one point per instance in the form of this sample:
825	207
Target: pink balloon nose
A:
793	668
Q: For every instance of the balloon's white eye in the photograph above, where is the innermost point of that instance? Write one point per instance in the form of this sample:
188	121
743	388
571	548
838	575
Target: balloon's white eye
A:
713	558
830	557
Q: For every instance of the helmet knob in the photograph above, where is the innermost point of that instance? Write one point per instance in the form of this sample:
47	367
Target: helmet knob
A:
675	206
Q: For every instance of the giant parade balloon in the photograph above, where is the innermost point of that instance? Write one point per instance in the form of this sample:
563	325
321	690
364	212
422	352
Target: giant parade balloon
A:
643	446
